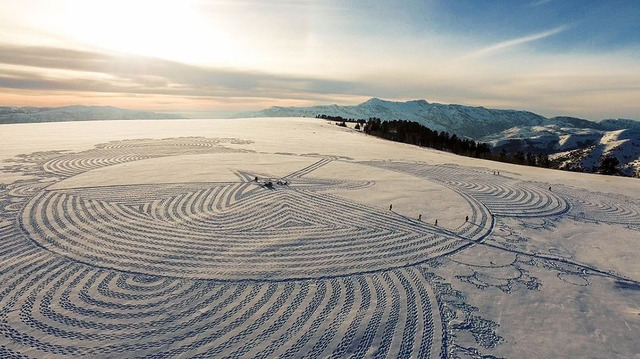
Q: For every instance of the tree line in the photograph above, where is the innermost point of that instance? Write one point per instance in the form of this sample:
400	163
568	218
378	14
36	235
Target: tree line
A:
414	133
341	119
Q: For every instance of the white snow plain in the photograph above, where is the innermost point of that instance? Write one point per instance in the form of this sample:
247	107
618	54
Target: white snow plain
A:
154	239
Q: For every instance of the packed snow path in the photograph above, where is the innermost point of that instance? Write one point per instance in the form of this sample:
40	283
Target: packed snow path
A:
242	269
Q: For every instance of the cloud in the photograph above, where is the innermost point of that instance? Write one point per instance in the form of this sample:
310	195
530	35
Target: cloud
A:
540	2
549	84
89	71
515	42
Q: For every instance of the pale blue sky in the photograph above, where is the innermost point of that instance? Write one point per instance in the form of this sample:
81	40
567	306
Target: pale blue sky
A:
578	58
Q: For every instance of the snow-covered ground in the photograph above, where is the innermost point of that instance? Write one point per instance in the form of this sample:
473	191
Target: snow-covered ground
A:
153	238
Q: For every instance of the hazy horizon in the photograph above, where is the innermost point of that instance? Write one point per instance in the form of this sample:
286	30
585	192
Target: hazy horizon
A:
195	115
213	59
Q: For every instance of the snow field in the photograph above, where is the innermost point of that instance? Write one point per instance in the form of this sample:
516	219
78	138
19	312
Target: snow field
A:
168	248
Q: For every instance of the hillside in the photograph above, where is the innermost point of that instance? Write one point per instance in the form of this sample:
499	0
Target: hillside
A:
573	148
75	113
512	130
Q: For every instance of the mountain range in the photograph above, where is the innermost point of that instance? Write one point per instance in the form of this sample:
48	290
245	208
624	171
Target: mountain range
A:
75	113
573	143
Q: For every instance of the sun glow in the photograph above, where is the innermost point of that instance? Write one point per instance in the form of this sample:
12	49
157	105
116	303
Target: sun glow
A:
168	29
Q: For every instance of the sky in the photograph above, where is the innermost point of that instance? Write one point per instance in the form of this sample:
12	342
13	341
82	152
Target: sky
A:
215	58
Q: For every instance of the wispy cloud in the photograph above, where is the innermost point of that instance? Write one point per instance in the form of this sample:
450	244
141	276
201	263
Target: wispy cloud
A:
540	2
119	73
515	42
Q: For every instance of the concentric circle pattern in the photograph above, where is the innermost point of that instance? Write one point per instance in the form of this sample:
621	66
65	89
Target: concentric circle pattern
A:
240	268
58	308
226	232
132	150
600	207
210	269
501	195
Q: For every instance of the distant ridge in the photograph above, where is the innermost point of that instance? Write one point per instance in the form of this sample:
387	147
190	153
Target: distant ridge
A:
76	113
467	121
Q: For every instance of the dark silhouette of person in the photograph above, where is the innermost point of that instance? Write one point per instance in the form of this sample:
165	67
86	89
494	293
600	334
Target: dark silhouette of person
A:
391	206
419	217
466	219
436	222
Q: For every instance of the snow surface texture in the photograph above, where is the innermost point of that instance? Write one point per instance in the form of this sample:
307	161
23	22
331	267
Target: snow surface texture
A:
168	246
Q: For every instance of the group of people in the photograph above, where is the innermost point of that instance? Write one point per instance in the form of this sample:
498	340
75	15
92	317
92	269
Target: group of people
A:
269	183
466	218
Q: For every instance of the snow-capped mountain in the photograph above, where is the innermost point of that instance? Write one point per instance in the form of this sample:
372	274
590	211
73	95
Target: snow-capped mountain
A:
624	145
468	121
472	122
549	138
75	113
577	143
579	149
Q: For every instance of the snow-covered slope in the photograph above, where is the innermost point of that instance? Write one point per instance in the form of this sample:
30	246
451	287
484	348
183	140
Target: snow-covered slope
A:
574	148
544	139
509	129
138	239
624	145
75	113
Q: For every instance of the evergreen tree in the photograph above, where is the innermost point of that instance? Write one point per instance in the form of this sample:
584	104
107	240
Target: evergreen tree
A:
609	165
502	156
543	160
519	157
